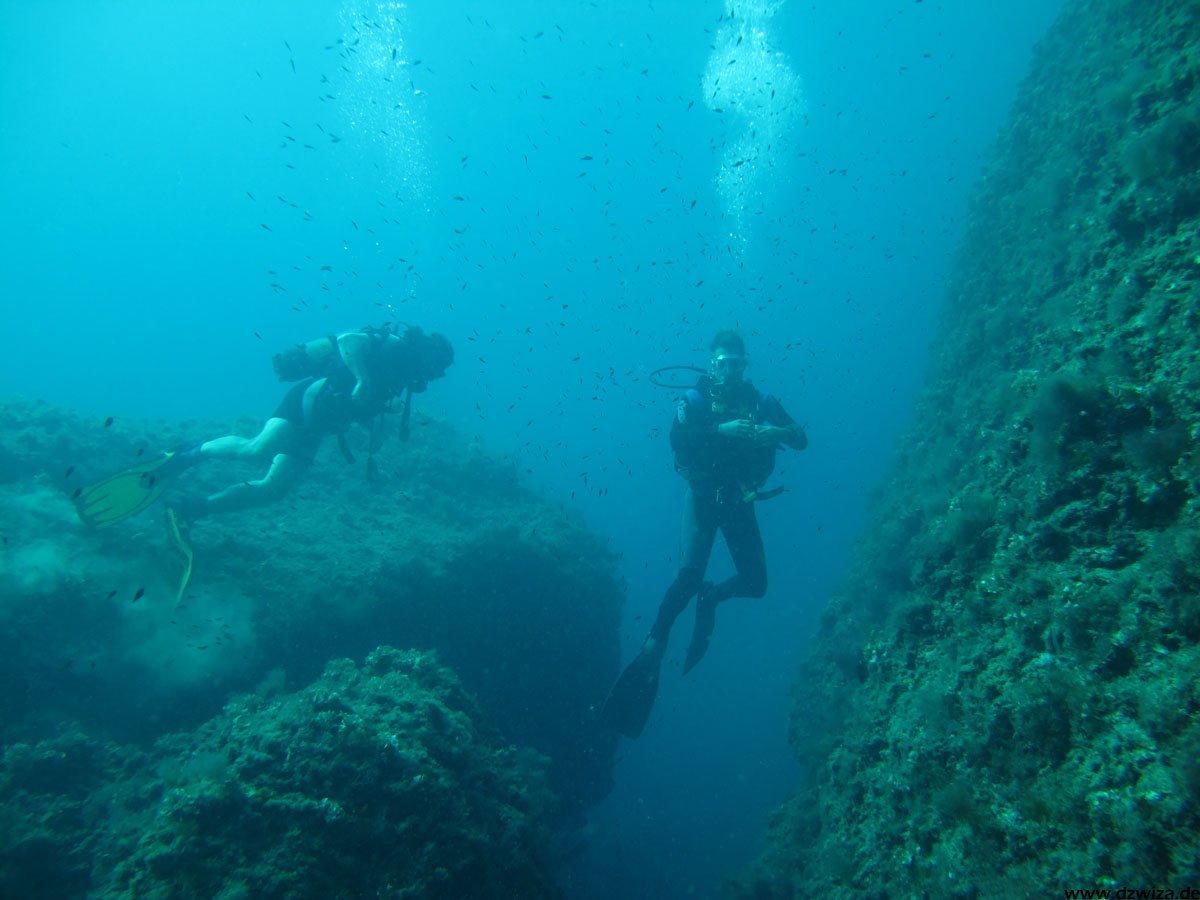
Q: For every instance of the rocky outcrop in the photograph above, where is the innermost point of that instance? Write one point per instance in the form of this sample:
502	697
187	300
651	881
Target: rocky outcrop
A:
443	550
379	781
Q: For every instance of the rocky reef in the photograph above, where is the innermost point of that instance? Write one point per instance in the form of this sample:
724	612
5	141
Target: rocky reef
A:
1002	699
443	550
371	782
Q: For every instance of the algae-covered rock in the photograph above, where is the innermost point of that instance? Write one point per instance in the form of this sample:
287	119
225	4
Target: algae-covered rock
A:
57	803
371	782
442	549
1001	700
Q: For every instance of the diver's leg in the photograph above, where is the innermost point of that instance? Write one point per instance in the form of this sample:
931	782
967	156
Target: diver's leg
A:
698	531
739	525
275	435
745	543
285	471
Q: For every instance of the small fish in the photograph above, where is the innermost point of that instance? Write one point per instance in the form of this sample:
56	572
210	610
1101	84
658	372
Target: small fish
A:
111	594
257	335
140	451
78	491
264	227
141	592
108	421
68	473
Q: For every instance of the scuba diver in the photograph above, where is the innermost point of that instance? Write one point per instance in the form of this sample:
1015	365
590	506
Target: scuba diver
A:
350	378
725	437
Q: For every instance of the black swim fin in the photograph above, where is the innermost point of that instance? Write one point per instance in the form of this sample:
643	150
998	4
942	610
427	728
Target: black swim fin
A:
631	700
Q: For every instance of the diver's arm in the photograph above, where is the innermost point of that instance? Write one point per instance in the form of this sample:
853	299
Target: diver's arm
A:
354	347
790	435
780	428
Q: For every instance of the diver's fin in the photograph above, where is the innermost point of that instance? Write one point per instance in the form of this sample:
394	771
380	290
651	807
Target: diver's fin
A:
126	493
177	531
631	700
706	620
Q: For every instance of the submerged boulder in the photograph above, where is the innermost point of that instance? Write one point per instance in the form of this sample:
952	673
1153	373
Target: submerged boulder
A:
379	781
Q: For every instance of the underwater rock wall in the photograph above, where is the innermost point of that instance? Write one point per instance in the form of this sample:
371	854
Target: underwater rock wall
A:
445	551
1003	697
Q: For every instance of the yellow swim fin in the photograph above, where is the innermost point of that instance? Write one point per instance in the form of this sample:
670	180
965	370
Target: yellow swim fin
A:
126	493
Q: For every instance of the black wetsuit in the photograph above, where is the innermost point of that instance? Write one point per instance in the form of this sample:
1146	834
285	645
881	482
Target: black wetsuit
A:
722	475
331	413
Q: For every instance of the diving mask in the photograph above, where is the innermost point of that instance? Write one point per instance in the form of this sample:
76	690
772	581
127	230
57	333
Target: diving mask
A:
728	366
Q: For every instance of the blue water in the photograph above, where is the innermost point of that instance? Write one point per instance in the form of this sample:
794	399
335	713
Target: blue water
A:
576	194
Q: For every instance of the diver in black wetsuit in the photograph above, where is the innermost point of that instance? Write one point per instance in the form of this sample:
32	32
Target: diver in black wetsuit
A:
351	378
725	436
342	380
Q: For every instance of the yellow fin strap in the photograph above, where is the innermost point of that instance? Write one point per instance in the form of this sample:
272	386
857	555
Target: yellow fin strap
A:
176	533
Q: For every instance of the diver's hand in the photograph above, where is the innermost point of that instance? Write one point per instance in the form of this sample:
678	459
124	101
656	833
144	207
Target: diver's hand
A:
361	395
738	428
771	435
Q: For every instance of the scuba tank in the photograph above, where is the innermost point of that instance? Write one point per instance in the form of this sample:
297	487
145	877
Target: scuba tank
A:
320	358
312	360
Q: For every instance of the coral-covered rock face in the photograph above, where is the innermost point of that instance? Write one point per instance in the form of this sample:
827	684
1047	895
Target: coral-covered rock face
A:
379	781
1002	699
